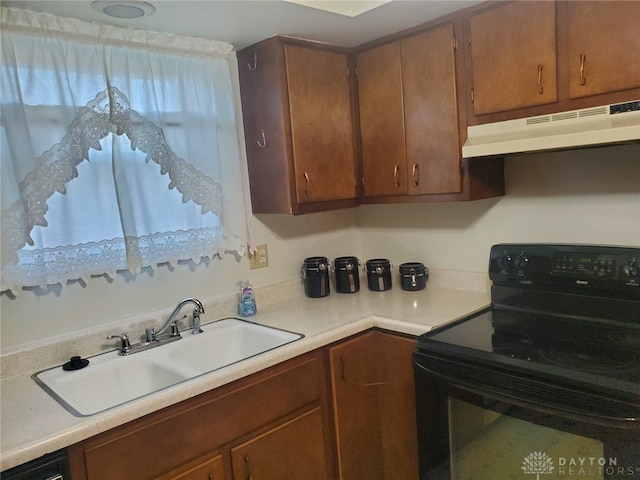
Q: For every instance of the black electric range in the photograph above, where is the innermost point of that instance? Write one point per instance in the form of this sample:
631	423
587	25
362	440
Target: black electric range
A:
563	329
544	380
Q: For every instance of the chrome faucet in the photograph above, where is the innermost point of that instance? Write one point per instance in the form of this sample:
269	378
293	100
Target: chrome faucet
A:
154	339
171	324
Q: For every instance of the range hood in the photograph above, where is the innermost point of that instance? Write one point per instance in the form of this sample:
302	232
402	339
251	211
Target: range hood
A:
607	124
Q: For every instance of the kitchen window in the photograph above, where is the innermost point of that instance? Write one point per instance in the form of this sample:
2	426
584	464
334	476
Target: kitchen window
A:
119	151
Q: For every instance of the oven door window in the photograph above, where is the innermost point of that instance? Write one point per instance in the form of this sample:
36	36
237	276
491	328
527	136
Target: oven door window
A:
489	442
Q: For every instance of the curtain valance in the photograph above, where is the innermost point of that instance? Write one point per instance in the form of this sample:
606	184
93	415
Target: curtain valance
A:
114	157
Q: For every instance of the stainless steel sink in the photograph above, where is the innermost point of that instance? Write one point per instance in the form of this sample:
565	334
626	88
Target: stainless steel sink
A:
110	379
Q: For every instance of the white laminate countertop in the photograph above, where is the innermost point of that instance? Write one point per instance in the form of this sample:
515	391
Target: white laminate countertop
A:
32	423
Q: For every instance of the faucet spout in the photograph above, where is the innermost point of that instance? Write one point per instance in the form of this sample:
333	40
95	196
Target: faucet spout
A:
172	322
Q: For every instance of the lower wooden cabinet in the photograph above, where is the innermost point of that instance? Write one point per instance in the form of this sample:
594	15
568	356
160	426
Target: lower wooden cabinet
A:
290	451
374	407
296	420
271	411
200	469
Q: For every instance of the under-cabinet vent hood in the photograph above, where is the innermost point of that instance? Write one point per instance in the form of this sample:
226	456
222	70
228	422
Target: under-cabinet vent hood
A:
607	124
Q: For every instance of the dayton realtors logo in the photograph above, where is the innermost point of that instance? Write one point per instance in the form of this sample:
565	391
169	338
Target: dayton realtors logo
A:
537	463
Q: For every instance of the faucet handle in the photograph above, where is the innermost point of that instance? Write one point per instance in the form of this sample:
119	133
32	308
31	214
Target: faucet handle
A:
125	345
174	331
149	334
196	321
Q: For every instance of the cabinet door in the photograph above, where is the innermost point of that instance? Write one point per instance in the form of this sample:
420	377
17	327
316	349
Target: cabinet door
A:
202	469
431	112
266	128
513	56
374	407
382	133
294	450
321	124
604	47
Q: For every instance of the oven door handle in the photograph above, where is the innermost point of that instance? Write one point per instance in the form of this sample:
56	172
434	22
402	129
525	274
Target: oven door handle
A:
572	413
582	416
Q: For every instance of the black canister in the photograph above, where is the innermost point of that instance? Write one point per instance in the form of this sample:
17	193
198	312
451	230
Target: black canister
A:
378	274
347	276
413	276
315	273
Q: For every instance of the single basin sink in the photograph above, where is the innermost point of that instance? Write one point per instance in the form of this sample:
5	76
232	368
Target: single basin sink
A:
110	379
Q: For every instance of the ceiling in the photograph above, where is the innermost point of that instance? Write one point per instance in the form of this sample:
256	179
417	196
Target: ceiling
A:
244	22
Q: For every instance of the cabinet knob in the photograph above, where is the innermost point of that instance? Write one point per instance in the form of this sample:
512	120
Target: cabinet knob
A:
262	144
255	62
540	87
307	183
415	175
583	58
247	464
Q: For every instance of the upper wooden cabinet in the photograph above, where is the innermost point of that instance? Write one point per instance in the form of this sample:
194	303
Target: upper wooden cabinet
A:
513	56
529	58
431	111
603	47
409	116
297	113
410	128
384	159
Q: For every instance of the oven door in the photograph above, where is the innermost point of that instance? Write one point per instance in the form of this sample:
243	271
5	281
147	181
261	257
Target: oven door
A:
465	433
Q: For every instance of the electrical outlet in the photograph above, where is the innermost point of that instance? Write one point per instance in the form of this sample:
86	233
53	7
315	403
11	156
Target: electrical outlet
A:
260	258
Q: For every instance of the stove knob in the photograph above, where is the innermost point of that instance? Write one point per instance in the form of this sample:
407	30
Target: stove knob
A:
632	270
522	262
504	262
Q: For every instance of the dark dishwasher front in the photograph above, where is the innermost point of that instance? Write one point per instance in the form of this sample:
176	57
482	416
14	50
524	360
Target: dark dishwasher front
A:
54	466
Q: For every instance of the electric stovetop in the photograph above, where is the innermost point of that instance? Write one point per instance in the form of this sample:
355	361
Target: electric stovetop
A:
599	353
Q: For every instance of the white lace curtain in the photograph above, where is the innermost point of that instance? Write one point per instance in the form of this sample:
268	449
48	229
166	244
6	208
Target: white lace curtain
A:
119	150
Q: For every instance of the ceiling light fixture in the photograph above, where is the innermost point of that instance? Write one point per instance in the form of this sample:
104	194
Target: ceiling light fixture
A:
348	8
123	8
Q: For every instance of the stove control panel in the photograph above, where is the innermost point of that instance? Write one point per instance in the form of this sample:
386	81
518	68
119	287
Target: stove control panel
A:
585	264
608	267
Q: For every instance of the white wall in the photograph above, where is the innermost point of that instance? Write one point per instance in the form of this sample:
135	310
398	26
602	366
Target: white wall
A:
586	196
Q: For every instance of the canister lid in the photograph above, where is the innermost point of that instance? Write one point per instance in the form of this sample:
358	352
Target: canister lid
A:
412	268
378	262
346	263
378	266
316	263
